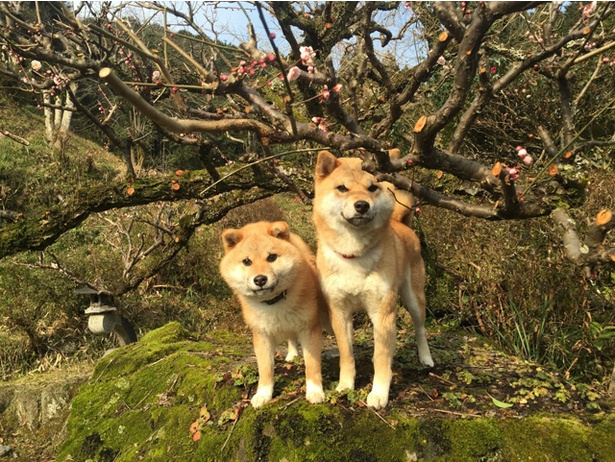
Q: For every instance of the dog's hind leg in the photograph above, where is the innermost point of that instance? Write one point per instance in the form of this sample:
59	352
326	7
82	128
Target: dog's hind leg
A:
293	350
413	298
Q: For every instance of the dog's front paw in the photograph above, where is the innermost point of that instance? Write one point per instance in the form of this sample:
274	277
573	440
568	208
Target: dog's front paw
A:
313	392
315	396
377	400
262	396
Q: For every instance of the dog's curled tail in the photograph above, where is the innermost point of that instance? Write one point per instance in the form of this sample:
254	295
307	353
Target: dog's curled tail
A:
404	206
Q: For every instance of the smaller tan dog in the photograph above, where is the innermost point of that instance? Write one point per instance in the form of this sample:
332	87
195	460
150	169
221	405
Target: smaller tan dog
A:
273	273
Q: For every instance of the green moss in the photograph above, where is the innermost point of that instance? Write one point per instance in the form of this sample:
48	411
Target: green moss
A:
551	439
144	398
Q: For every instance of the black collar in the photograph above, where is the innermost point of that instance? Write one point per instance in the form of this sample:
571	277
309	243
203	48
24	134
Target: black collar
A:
276	299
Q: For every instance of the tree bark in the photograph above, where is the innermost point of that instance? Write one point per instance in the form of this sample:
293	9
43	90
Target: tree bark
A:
39	231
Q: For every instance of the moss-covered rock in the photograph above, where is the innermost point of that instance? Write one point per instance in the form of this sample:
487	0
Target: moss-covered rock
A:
170	398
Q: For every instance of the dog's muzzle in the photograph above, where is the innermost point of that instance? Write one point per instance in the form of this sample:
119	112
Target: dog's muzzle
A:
361	215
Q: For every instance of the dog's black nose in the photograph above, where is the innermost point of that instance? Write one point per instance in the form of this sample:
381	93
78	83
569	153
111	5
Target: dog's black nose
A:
361	206
260	280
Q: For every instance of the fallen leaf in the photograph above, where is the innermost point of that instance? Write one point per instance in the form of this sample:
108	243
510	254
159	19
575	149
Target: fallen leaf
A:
204	414
500	404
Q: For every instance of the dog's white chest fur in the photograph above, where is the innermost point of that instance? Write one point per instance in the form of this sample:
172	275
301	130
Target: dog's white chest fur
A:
278	320
355	278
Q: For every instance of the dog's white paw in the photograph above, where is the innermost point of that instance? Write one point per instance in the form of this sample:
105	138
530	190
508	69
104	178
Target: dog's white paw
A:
259	400
262	396
344	386
293	351
313	392
426	360
315	396
377	400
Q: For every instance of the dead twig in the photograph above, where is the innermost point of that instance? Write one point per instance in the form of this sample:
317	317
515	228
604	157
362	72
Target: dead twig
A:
16	138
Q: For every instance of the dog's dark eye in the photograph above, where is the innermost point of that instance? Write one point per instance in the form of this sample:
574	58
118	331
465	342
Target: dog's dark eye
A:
373	188
342	188
246	262
272	257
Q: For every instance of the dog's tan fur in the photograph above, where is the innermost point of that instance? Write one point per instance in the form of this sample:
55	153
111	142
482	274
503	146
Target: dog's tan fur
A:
366	257
273	273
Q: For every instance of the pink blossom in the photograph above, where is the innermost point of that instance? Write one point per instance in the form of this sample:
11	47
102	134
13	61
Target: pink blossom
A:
311	69
587	10
527	160
321	122
307	55
272	35
223	77
522	153
271	57
155	75
293	73
441	60
493	69
36	65
325	94
337	88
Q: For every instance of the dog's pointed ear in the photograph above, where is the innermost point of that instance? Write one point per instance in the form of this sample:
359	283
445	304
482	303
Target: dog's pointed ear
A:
280	230
230	238
325	164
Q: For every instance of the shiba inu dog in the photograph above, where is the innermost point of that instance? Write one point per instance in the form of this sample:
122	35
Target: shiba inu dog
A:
273	273
366	257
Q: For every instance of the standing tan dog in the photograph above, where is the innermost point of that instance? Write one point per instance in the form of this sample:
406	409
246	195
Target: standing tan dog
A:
365	258
273	273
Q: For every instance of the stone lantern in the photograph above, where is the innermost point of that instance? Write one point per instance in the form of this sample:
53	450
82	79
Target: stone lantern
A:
103	317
